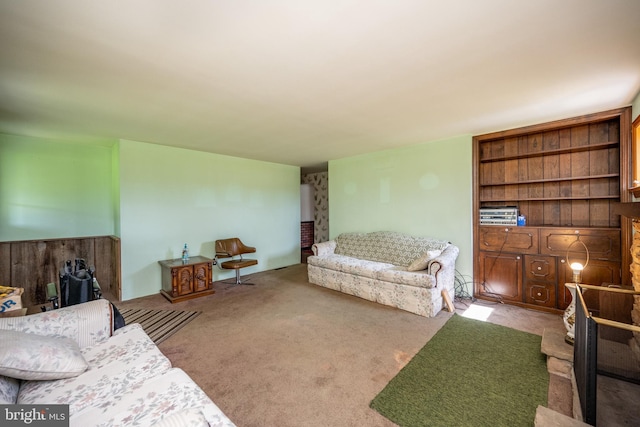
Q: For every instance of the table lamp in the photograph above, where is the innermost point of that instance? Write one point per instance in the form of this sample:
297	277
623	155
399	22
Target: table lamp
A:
577	267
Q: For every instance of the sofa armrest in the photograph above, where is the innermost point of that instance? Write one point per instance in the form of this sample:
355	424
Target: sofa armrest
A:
88	323
445	261
324	248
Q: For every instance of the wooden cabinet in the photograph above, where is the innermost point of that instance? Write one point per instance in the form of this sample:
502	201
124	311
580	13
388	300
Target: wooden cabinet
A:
564	177
501	275
186	280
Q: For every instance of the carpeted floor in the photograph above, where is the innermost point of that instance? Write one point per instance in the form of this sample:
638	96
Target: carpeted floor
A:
288	353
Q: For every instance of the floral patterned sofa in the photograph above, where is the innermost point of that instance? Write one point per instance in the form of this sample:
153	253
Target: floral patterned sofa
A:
70	356
387	267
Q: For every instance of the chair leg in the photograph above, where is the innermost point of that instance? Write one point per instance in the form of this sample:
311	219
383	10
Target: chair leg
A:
238	280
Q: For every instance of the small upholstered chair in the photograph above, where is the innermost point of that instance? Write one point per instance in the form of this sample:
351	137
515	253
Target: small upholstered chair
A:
232	248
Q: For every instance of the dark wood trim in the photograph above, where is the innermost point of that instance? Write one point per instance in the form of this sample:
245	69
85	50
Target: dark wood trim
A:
634	187
625	196
475	154
558	124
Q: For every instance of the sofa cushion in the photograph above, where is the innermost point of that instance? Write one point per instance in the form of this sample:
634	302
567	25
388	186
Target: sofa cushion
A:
123	362
8	389
386	246
422	261
400	276
39	357
347	264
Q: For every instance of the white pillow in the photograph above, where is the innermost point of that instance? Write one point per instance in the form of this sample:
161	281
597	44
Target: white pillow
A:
422	261
39	357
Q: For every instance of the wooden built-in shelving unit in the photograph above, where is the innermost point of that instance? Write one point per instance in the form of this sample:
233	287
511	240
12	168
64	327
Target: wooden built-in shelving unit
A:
564	177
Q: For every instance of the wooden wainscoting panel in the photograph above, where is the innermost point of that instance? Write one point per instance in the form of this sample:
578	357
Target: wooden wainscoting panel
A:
32	264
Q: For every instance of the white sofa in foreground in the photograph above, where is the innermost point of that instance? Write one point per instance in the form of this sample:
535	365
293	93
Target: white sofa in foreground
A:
70	356
390	268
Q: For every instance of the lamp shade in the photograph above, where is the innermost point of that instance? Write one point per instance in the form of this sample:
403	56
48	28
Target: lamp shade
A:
306	202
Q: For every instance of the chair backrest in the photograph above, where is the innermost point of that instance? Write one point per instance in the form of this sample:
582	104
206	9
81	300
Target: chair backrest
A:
232	247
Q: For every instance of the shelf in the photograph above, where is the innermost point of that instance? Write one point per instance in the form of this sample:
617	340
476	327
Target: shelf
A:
543	199
556	151
543	180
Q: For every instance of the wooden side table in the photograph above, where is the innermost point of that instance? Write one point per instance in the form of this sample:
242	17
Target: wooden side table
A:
185	280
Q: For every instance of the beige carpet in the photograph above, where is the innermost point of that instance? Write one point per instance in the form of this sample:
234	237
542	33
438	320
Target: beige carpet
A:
288	353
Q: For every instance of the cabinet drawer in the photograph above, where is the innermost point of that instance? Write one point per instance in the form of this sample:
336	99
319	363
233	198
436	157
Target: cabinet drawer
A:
603	244
541	268
508	239
540	293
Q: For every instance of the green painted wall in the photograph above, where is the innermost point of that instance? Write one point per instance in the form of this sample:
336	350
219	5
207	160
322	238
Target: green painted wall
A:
635	107
171	196
424	190
155	198
54	188
115	186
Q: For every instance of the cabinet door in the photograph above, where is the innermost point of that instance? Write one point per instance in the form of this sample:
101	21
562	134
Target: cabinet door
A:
184	279
508	239
596	273
500	276
602	244
201	277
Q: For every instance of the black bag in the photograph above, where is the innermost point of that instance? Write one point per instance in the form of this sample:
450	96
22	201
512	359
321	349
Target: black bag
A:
77	284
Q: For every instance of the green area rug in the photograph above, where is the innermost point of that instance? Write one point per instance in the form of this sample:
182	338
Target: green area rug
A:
471	373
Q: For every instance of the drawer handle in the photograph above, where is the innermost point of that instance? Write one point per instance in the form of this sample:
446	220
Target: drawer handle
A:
539	294
539	268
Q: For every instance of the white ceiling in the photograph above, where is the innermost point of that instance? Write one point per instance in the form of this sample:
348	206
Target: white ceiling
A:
301	82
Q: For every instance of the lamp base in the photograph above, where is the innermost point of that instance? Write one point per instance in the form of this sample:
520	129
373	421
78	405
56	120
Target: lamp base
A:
569	315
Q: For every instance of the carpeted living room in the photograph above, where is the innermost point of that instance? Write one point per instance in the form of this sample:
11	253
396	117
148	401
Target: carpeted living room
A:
285	352
411	197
